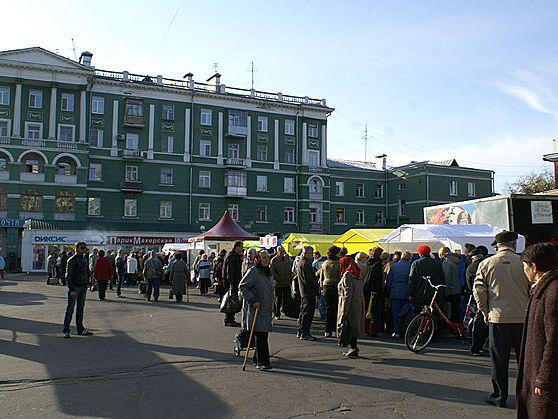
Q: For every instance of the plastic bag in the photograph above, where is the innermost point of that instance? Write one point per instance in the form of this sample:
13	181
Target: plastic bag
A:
295	291
231	303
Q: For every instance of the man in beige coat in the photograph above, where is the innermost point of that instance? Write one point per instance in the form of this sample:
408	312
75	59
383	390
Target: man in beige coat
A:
501	290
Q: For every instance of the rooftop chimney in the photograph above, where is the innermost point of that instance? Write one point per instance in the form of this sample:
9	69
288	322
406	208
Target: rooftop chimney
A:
190	78
85	58
215	79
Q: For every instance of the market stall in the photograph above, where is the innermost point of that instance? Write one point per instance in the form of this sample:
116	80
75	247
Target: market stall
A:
361	239
296	241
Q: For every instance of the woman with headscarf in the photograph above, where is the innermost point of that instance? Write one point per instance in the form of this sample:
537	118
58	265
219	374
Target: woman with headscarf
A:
178	277
330	275
351	307
256	288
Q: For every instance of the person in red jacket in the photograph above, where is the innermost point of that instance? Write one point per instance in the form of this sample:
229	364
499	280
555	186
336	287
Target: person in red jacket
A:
103	273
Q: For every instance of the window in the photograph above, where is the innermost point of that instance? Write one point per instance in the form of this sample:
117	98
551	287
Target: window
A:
206	116
402	186
204	212
261	183
3	199
130	208
238	123
3	163
313	215
32	166
234	151
233	211
235	179
166	176
313	158
98	105
289	127
31	201
95	171
402	207
67	102
340	215
471	189
261	153
379	192
379	217
262	123
312	130
35	99
65	169
453	187
360	216
167	144
33	131
168	113
65	202
165	209
261	213
289	156
94	206
289	215
96	137
339	188
288	185
4	127
205	148
66	132
132	141
131	173
204	179
359	190
315	186
4	95
134	112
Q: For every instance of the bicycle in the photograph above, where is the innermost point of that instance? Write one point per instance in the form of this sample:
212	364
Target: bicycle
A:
420	330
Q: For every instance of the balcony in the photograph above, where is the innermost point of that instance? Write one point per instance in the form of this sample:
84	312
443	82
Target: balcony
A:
236	191
74	146
236	162
314	169
316	227
316	195
237	131
132	154
32	177
4	175
65	179
131	186
64	216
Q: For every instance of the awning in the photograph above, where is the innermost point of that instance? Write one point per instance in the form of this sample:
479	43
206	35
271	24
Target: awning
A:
361	239
296	241
227	230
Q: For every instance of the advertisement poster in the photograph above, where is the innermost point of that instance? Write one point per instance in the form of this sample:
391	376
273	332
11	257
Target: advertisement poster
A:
493	212
541	212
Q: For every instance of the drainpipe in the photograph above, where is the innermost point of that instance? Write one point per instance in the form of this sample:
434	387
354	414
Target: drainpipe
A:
297	176
191	153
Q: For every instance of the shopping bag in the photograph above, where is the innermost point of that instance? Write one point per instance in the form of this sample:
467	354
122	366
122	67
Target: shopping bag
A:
231	303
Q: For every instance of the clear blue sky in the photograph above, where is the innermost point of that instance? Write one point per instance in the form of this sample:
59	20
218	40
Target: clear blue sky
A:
475	80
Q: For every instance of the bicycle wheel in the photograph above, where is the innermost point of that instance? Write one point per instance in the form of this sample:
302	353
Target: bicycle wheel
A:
419	333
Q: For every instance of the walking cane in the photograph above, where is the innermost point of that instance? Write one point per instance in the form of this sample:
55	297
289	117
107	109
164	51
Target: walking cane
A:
250	338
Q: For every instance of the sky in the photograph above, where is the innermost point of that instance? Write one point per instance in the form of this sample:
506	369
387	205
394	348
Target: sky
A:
430	80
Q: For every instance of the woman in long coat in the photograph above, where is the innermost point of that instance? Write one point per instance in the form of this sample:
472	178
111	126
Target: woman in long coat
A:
256	288
178	277
351	307
537	378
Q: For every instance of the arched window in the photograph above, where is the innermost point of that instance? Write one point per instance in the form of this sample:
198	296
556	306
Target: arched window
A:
65	201
315	188
31	201
33	163
3	199
66	166
4	160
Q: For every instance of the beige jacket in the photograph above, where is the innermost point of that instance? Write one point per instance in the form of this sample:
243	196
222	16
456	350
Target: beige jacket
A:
501	288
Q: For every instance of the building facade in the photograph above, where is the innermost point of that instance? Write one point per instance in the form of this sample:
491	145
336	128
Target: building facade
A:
82	147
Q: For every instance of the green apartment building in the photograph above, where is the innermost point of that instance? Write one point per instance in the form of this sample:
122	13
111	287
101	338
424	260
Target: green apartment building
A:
124	159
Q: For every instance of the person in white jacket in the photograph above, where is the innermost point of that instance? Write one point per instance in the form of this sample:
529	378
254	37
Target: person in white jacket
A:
131	268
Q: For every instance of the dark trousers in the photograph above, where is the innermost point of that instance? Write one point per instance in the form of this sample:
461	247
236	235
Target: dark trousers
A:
307	309
331	298
229	317
396	307
353	342
80	301
282	294
204	285
503	336
479	333
153	287
119	286
261	354
378	312
454	303
102	286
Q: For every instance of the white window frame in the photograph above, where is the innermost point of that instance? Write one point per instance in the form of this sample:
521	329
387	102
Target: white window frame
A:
29	124
98	105
290	152
166	176
67	102
8	127
289	127
131	173
132	137
130	208
261	183
205	145
379	191
5	93
234	211
315	156
379	217
99	138
90	201
95	171
340	211
204	179
263	123
206	208
235	148
206	117
288	215
312	130
259	212
168	141
165	210
167	112
261	148
73	128
288	185
471	189
360	216
453	191
238	122
339	188
36	94
359	187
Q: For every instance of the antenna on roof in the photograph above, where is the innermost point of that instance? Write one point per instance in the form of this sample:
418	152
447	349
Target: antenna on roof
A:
252	70
215	67
365	138
74	48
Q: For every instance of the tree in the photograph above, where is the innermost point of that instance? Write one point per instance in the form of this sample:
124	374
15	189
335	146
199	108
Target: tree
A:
532	183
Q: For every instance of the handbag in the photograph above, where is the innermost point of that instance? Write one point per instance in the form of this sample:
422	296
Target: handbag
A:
143	287
343	333
231	303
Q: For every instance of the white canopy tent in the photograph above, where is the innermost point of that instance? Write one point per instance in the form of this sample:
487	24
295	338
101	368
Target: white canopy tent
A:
410	236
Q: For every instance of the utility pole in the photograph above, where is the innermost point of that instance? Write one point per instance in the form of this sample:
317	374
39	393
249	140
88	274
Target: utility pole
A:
365	138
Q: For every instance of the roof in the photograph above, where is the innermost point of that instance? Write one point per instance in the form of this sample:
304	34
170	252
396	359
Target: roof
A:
361	239
447	163
551	157
41	56
351	164
101	226
320	242
225	229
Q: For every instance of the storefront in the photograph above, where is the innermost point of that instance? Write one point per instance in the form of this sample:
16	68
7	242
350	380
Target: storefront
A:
10	241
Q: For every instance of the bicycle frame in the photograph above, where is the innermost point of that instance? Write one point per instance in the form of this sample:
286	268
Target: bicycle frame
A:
455	328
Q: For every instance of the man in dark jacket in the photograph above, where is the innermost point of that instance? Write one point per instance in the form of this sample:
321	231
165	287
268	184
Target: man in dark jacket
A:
373	290
309	290
77	278
282	276
232	274
420	292
480	328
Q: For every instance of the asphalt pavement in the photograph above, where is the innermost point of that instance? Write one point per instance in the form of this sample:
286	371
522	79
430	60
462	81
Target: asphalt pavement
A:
166	359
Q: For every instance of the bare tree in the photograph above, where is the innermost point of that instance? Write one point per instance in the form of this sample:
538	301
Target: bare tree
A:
532	183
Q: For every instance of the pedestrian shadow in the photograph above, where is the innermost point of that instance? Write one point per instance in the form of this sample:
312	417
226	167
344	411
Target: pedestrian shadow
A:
106	376
17	298
4	283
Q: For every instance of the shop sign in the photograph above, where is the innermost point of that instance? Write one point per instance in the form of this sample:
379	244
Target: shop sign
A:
140	240
12	222
182	240
541	212
268	241
66	239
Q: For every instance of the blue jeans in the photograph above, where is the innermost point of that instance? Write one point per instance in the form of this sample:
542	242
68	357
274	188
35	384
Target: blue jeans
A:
153	286
80	300
322	305
396	306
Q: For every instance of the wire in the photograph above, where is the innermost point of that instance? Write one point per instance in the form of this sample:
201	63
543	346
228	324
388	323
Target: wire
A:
167	31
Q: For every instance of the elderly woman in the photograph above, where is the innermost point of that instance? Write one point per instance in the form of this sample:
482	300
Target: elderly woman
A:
351	307
249	261
452	278
537	383
178	277
330	275
256	288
